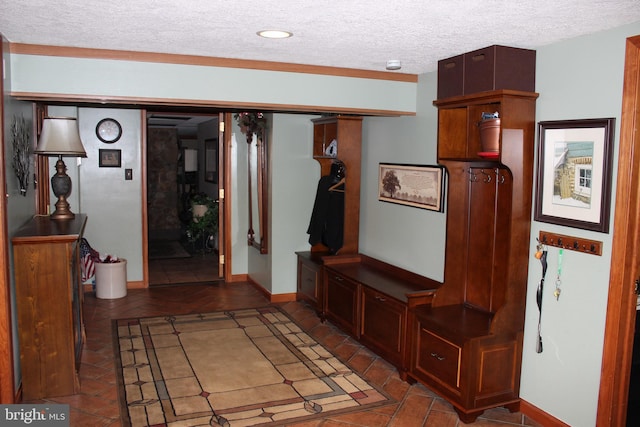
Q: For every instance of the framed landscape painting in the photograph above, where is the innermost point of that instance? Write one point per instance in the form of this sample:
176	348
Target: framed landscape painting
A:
412	185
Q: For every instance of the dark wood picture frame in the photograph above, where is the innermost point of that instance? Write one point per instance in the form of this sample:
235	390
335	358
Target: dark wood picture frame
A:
573	181
109	158
420	186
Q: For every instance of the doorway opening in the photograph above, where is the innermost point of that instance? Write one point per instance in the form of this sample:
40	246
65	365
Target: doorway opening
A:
182	173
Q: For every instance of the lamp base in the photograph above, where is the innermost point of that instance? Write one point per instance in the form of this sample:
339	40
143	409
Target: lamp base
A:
62	210
61	186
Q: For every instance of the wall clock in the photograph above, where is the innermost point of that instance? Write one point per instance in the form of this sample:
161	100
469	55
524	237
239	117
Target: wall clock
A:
108	130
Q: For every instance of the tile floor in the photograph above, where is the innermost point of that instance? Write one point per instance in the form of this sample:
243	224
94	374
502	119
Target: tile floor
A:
200	267
97	402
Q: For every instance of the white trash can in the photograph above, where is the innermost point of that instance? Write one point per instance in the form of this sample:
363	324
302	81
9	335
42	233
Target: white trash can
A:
111	279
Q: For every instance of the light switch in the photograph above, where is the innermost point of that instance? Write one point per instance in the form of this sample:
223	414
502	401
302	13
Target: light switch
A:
128	174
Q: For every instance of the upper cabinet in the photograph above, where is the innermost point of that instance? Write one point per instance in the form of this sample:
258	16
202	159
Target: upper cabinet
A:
459	121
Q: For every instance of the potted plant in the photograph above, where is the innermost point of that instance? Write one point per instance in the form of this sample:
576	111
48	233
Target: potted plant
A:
204	222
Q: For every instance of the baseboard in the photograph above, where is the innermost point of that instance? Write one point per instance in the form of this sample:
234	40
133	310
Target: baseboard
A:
277	298
235	278
540	416
139	284
280	298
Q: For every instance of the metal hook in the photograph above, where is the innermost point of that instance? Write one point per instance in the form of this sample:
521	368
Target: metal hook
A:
487	177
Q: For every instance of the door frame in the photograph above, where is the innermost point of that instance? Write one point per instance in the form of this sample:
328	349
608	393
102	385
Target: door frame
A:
621	305
6	342
223	179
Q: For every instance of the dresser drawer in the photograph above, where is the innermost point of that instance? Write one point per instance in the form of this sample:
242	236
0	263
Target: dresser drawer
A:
438	358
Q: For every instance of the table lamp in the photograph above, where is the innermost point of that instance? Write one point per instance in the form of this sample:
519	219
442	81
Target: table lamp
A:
60	138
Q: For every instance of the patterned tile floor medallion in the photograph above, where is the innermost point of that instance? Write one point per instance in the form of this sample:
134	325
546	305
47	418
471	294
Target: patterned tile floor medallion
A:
234	368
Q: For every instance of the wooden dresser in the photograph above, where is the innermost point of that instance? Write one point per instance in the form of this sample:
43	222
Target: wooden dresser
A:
46	256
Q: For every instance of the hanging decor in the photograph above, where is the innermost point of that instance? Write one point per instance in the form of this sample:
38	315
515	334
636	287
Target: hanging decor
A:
251	123
20	134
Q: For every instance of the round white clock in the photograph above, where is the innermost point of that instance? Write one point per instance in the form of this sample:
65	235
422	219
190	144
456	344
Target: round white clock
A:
108	130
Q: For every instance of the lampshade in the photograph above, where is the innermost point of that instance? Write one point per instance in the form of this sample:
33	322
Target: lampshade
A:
60	137
190	160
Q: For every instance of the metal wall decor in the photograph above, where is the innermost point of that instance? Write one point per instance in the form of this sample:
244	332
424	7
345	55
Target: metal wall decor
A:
22	149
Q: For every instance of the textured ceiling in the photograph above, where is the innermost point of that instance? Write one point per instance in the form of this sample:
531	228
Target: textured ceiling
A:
361	34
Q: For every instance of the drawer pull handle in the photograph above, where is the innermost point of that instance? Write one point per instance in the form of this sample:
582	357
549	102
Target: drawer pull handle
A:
437	356
338	278
381	299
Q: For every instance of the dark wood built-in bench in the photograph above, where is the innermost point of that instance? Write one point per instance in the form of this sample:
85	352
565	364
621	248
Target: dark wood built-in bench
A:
367	298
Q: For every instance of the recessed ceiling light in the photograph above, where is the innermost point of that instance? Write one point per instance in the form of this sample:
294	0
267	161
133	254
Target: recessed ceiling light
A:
274	34
393	64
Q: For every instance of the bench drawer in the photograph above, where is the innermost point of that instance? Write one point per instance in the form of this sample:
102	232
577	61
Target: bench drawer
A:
438	358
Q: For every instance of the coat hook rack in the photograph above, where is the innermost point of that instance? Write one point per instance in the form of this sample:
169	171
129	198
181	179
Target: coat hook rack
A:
579	244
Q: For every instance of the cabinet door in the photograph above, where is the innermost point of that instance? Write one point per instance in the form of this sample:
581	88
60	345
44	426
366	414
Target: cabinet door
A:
309	282
490	216
383	324
341	302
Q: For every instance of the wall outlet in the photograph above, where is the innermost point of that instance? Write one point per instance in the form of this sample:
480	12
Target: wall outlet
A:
128	174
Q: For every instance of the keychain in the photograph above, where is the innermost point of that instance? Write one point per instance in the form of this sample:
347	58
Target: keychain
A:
556	293
541	254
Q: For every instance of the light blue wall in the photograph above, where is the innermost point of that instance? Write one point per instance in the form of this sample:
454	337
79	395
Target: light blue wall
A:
106	79
294	176
20	208
404	236
112	204
577	79
239	205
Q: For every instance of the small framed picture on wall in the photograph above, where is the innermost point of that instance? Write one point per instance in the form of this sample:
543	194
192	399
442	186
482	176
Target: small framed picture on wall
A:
109	158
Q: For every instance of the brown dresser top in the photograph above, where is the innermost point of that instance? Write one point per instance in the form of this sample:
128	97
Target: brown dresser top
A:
42	228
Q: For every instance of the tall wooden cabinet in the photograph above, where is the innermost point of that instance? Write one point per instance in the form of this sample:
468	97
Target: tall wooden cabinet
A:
347	132
467	344
46	256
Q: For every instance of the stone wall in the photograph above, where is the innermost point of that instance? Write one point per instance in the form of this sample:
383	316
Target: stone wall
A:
162	186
